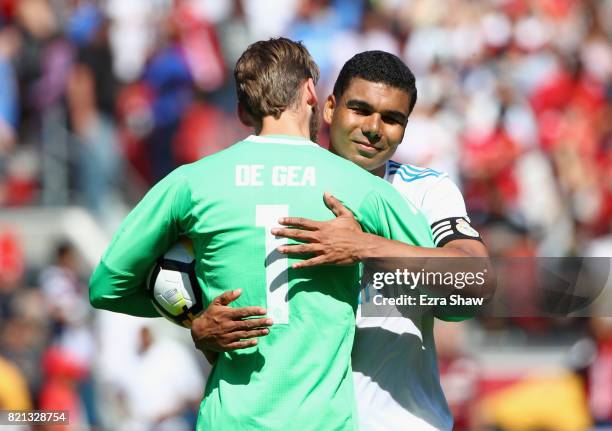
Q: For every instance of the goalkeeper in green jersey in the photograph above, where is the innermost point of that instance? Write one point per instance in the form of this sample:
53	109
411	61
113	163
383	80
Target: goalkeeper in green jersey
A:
299	376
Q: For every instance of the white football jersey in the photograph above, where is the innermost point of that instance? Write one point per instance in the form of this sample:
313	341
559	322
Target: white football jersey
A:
395	367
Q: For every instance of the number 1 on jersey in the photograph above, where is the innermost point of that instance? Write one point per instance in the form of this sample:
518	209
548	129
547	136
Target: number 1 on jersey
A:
277	264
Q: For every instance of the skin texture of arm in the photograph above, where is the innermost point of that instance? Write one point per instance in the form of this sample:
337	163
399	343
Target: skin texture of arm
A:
341	241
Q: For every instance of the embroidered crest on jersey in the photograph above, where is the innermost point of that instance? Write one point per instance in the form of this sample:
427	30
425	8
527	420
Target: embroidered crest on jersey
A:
465	228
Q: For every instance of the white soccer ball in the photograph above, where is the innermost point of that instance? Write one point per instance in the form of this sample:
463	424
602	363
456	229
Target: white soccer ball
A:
173	285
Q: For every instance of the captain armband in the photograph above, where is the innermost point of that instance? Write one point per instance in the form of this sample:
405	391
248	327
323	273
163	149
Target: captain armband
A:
452	228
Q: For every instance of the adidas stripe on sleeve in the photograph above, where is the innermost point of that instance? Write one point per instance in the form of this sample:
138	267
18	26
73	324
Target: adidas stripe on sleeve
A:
437	197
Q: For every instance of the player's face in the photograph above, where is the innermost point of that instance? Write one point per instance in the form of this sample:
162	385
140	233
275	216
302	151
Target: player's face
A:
367	122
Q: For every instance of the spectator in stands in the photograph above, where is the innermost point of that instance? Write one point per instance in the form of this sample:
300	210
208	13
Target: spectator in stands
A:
14	392
91	94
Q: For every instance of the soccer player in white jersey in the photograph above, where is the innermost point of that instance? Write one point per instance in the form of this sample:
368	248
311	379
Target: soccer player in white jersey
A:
394	361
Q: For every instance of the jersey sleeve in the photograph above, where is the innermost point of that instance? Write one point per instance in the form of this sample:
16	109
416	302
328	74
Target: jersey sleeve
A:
444	208
152	227
386	213
443	200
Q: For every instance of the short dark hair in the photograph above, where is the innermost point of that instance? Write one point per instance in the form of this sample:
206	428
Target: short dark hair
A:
269	74
377	66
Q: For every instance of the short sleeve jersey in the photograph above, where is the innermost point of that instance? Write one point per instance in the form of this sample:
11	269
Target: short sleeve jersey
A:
397	384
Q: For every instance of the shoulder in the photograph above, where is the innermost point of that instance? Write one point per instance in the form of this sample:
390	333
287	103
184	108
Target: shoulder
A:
437	197
219	157
211	166
418	184
408	173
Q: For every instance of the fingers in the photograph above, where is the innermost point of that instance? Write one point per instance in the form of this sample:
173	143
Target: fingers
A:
244	312
242	339
241	344
225	341
336	206
245	335
318	260
227	297
241	325
299	248
236	314
297	234
299	222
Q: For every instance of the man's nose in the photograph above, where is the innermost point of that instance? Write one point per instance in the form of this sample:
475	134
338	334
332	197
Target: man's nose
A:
372	129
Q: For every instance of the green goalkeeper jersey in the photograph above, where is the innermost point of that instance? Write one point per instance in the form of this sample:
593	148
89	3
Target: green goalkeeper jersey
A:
299	376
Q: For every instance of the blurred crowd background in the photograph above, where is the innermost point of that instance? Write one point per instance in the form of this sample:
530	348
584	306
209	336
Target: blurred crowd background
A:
100	99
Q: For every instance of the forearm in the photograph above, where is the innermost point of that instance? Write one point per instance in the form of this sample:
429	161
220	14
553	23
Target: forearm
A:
121	293
368	246
466	257
152	227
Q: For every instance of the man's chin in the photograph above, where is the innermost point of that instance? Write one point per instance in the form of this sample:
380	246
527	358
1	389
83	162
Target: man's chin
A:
364	162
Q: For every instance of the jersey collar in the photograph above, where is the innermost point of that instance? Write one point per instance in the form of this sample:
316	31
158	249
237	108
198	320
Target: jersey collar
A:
280	139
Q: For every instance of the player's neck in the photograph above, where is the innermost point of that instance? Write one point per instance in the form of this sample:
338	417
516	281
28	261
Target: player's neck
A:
289	123
379	171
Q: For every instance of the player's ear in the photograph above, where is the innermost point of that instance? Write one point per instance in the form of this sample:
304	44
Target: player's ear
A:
310	93
328	109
